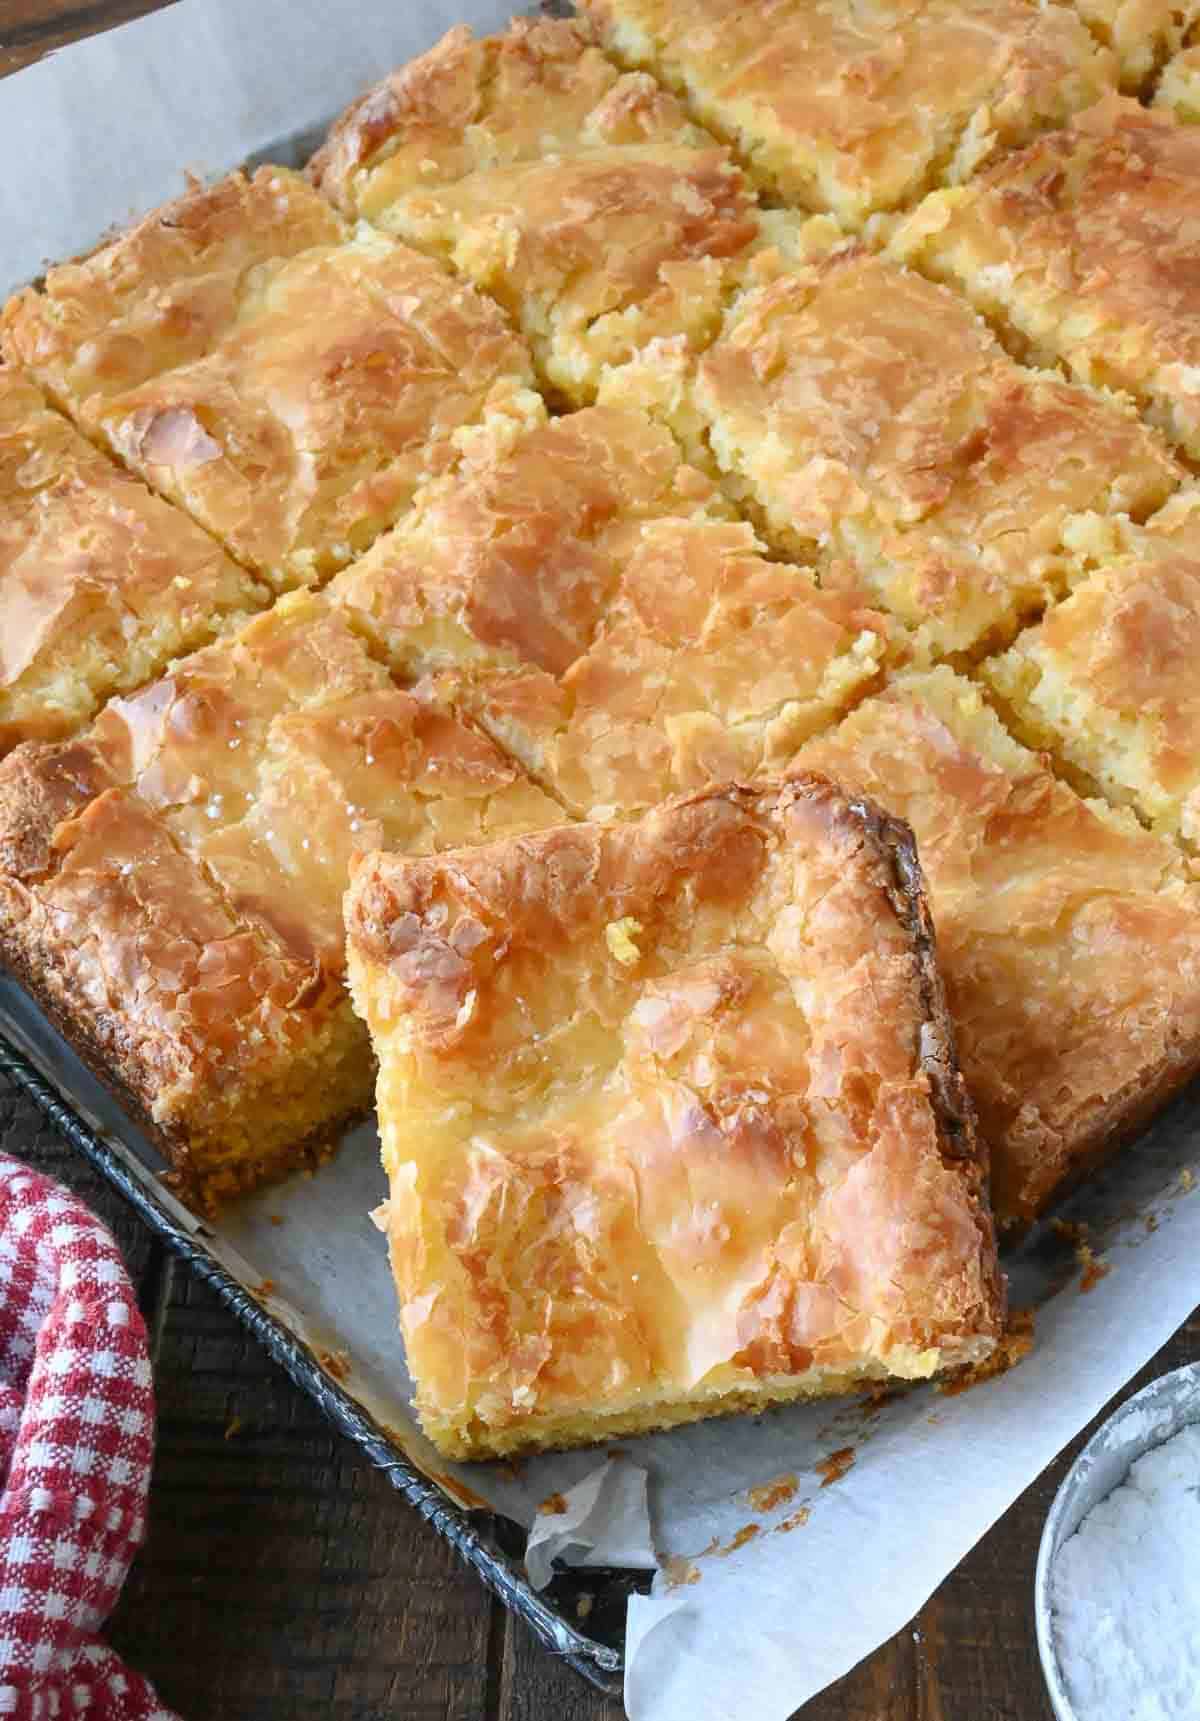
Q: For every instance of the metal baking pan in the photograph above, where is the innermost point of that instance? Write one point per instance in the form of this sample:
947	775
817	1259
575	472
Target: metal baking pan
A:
267	1272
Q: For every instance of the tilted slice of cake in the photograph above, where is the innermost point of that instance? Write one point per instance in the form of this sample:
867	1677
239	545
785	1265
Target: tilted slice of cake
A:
287	380
1068	935
171	881
671	1119
579	197
102	583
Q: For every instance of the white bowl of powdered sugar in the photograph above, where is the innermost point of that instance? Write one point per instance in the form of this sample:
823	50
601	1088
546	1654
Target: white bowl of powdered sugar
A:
1117	1592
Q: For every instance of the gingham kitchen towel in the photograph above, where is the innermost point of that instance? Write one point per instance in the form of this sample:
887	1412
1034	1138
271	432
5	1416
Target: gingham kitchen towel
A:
76	1442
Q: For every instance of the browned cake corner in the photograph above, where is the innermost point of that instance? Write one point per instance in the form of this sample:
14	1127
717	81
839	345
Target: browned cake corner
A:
616	631
101	582
1084	247
1068	935
288	381
671	1118
856	108
580	197
171	882
869	419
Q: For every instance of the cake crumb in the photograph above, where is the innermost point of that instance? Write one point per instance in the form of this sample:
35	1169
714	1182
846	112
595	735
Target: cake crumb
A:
833	1468
678	1572
794	1521
552	1505
768	1495
621	936
1094	1269
336	1363
746	1534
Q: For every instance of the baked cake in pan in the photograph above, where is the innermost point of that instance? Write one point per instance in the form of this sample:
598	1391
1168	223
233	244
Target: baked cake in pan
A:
171	882
287	381
870	419
101	583
583	200
1108	680
1084	247
624	640
671	1119
856	108
1069	936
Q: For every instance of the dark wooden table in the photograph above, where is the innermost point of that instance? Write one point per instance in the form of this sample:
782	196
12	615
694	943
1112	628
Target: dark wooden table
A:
285	1580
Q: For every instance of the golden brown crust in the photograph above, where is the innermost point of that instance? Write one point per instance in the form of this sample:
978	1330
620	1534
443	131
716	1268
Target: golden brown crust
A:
286	382
870	418
1068	936
171	882
694	1074
468	104
856	108
1084	245
1107	680
101	583
581	199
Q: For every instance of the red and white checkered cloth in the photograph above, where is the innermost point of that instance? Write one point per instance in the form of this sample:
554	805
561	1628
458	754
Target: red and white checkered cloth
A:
76	1443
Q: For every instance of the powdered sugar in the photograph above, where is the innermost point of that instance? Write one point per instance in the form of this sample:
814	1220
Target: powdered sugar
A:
1125	1594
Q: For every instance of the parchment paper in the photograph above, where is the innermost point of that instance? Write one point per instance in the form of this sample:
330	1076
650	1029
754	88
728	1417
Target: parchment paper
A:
782	1566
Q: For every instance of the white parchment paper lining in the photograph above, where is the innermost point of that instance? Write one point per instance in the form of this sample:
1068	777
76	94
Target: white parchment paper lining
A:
760	1604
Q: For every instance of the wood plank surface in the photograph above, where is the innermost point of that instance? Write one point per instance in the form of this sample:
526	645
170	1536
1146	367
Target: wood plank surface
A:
285	1580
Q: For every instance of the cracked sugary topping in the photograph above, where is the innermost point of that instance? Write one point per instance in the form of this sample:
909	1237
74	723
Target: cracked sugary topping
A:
1069	937
101	583
872	416
515	559
1085	244
1108	678
288	382
582	199
666	1112
852	107
623	639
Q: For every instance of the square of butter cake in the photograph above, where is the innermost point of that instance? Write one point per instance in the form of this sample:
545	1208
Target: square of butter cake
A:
617	635
1085	246
171	881
1068	936
579	197
101	582
855	108
671	1119
286	380
1108	680
869	418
